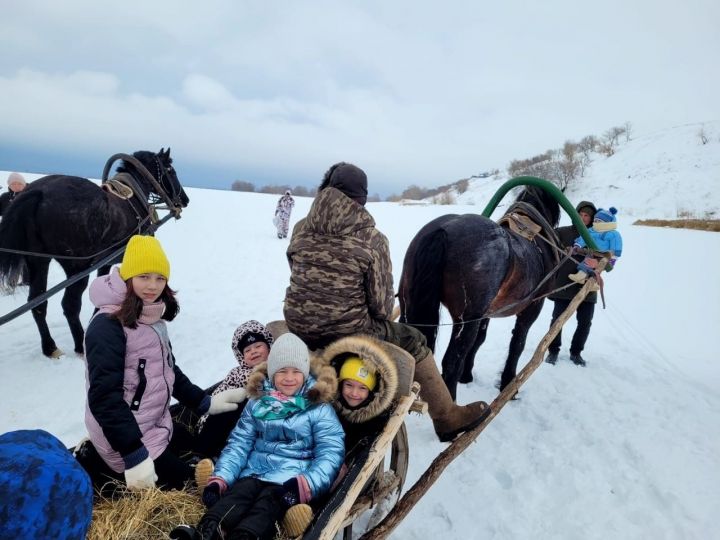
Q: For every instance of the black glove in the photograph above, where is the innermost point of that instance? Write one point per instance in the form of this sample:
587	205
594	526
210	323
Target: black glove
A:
289	493
211	494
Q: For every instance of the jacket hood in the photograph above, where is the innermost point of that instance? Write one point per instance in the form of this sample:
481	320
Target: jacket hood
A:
588	204
334	214
108	290
371	351
248	327
324	382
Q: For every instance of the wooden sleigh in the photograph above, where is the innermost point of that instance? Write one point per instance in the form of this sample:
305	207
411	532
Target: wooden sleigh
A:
377	474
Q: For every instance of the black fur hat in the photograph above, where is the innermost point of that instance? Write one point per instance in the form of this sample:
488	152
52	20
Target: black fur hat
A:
349	179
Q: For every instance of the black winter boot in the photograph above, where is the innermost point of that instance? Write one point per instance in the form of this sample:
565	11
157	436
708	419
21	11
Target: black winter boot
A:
241	534
184	532
208	529
577	359
552	357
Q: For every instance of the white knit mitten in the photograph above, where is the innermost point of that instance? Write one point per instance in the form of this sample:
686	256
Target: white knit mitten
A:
226	400
141	476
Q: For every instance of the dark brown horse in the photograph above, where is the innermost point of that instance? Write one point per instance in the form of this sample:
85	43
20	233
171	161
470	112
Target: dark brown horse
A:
75	219
479	269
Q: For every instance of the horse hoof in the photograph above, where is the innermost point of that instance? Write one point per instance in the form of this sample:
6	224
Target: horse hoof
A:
57	353
466	380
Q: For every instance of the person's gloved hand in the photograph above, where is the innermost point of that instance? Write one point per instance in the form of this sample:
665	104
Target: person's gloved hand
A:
226	400
289	493
213	491
142	475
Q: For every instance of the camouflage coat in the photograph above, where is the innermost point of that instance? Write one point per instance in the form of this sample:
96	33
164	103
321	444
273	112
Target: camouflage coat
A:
341	274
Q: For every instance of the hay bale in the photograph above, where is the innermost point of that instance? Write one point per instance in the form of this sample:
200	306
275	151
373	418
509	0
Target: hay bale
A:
147	514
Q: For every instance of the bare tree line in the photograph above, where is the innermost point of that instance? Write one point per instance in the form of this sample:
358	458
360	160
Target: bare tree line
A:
561	166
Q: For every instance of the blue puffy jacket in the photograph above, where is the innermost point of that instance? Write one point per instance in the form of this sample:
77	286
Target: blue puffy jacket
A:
310	443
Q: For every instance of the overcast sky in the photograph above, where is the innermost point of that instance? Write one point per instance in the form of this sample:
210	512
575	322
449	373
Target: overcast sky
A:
414	92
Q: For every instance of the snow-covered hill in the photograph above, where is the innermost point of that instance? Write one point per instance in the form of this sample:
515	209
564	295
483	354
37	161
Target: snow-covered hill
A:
664	175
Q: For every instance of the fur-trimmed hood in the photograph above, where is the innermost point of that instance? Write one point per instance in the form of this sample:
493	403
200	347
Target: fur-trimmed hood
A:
323	382
371	351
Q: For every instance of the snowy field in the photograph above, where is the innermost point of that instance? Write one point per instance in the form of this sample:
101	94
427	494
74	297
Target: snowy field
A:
628	447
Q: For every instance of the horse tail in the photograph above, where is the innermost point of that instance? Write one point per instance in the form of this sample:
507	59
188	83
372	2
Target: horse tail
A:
421	283
17	228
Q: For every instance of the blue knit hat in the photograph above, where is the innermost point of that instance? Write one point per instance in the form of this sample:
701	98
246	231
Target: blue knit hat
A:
608	216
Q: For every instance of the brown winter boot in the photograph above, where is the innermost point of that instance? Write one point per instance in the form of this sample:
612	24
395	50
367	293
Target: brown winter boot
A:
297	519
449	419
203	472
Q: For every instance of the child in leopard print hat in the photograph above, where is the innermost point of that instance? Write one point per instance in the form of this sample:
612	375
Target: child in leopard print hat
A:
251	344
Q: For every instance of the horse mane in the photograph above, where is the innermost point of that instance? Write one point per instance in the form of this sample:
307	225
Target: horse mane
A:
543	201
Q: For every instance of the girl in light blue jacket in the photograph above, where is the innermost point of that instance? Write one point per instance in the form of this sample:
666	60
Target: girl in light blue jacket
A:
285	451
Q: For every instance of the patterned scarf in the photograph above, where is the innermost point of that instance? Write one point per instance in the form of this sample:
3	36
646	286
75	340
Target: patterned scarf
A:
275	405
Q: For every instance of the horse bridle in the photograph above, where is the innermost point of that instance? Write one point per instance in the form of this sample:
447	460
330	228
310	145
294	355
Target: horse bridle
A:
175	201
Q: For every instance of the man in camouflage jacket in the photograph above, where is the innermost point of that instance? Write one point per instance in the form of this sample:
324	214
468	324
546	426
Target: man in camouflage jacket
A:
341	284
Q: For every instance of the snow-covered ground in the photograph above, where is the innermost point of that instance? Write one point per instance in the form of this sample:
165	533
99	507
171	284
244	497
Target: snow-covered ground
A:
628	447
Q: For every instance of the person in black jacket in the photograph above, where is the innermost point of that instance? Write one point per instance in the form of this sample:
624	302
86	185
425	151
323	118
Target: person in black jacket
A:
562	298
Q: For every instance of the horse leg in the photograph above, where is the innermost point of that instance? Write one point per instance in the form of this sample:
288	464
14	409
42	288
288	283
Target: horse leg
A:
71	304
461	343
38	274
467	376
523	322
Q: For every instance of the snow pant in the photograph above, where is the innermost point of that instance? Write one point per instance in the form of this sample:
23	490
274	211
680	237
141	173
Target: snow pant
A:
584	317
282	224
172	466
251	505
215	432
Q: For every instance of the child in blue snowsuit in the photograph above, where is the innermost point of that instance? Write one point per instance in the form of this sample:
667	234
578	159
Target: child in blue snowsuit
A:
606	237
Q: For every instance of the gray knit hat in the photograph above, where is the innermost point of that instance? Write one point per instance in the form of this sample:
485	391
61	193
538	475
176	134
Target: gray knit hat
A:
288	351
16	177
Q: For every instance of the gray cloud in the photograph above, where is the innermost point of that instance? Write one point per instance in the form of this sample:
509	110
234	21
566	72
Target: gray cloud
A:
414	92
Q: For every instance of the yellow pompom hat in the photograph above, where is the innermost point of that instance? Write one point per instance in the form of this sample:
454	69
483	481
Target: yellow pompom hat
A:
144	255
355	369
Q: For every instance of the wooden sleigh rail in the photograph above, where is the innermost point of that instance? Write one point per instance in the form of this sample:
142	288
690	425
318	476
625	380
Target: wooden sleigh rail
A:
440	463
354	505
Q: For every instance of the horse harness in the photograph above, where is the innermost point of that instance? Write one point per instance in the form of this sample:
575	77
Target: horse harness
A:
525	221
124	186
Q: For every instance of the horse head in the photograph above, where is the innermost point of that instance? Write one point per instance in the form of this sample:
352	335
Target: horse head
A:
160	167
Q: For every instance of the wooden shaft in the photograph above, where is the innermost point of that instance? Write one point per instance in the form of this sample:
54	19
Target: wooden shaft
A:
428	478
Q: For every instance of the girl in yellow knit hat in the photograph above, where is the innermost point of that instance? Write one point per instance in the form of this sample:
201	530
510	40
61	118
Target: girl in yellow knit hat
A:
368	383
132	376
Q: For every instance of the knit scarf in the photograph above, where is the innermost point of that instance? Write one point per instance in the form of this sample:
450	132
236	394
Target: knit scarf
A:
150	313
604	226
275	405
